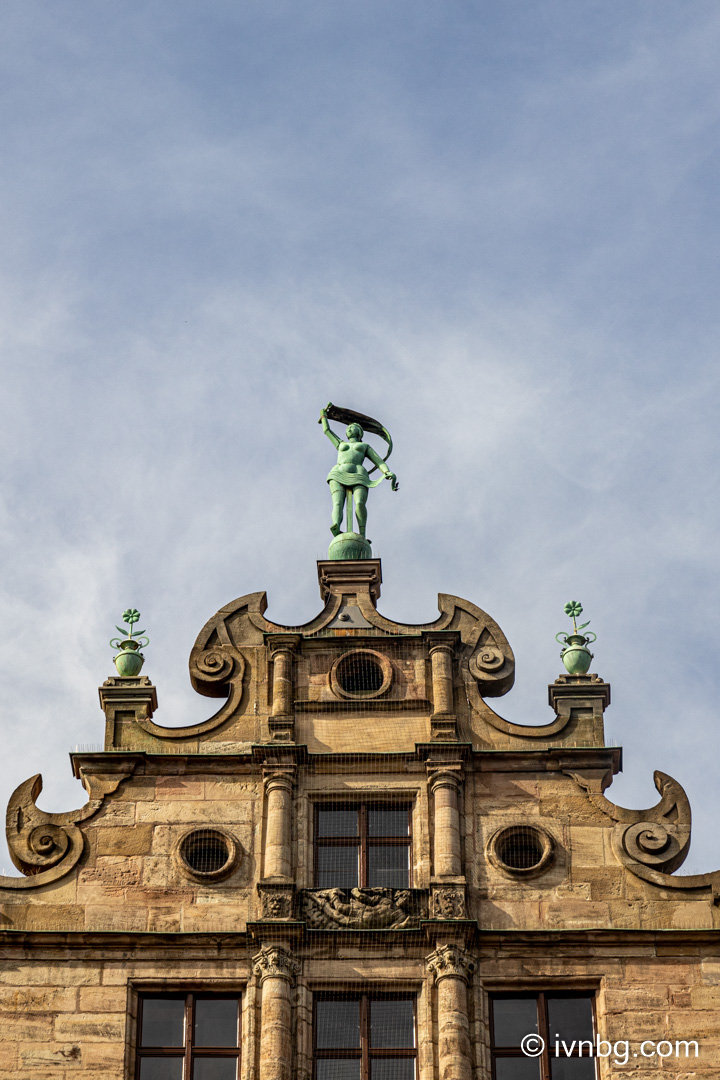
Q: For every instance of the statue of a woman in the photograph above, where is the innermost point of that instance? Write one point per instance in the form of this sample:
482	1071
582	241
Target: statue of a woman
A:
349	479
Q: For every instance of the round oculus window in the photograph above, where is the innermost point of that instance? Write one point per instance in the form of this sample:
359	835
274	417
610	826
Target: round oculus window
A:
361	674
207	854
521	849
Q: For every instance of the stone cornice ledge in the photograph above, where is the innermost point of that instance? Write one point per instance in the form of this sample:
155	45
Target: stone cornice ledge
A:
216	943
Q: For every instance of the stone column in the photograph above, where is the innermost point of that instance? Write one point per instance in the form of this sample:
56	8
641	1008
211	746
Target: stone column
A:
451	967
281	722
441	657
276	969
445	783
279	783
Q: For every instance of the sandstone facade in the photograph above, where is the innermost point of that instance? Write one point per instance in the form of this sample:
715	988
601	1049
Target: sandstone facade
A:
194	866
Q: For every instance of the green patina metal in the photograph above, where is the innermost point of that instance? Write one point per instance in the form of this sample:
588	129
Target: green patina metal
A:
576	656
129	660
350	481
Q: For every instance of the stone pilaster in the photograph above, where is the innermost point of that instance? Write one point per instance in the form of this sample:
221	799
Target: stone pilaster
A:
276	969
279	783
451	967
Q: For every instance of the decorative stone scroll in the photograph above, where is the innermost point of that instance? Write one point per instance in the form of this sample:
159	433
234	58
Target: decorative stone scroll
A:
653	843
658	837
450	961
45	846
362	909
275	962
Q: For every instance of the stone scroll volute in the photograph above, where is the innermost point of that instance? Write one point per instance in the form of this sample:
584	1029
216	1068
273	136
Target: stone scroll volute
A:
43	846
651	843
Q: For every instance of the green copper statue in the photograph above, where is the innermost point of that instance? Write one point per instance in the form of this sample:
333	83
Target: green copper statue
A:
349	480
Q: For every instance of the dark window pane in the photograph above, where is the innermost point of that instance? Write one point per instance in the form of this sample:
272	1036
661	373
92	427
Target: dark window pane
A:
337	868
161	1068
569	1018
216	1022
338	1024
389	822
524	1068
388	867
513	1018
163	1022
328	1069
215	1068
392	1069
392	1024
573	1069
337	822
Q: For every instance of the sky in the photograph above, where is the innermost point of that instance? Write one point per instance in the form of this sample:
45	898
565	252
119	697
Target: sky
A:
493	226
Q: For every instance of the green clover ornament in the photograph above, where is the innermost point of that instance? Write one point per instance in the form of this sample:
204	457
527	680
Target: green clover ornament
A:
130	616
574	608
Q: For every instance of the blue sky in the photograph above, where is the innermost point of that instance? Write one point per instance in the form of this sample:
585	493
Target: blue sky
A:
493	226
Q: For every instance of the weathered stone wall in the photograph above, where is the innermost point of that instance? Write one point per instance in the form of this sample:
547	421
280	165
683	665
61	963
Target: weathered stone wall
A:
130	877
68	1012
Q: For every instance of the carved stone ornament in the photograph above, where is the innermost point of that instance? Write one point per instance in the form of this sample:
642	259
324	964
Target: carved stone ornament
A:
653	843
276	903
448	902
450	961
275	963
361	909
45	846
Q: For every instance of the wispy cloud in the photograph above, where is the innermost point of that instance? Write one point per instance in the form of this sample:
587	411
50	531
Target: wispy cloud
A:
494	228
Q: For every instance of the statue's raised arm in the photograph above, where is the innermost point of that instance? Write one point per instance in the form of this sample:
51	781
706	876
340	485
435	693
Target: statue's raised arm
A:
326	427
350	481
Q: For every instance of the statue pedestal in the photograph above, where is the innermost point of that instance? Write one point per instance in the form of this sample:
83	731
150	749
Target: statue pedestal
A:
349	545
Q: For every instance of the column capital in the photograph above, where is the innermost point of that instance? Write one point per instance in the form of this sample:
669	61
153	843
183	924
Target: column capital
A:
440	647
279	776
444	774
450	961
274	962
286	643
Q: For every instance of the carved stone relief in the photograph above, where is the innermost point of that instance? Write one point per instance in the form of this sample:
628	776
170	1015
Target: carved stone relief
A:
450	961
361	909
276	903
275	963
448	902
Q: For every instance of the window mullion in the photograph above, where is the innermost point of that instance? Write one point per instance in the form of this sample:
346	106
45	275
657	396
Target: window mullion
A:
363	820
187	1070
544	1034
365	1037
